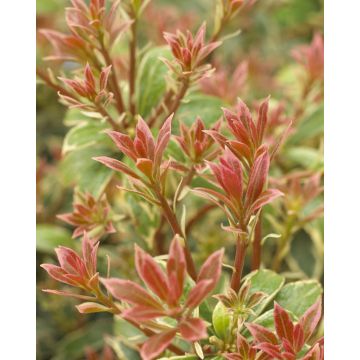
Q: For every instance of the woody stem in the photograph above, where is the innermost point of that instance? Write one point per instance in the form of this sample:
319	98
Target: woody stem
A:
241	246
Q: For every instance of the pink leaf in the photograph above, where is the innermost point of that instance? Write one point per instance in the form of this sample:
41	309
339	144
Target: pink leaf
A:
261	334
124	143
130	292
193	329
257	178
116	165
262	120
176	270
145	166
270	349
211	269
144	140
142	313
199	292
151	273
156	344
163	140
283	324
265	197
310	319
57	273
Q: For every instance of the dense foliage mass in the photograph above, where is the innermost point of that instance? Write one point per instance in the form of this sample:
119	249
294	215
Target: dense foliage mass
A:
180	199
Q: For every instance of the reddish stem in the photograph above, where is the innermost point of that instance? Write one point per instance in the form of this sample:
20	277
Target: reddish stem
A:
241	246
256	257
113	80
172	220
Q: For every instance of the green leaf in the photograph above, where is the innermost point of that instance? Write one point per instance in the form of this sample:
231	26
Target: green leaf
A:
151	79
78	168
74	117
307	157
310	127
268	282
86	134
72	346
205	106
49	236
298	296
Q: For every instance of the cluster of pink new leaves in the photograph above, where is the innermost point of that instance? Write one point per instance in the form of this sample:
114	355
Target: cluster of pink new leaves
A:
168	287
163	297
287	342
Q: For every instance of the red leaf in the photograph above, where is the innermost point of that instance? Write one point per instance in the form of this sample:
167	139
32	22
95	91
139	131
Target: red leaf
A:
261	334
156	344
283	324
144	141
70	261
262	120
265	197
257	178
145	166
270	349
57	273
211	269
124	143
176	270
200	291
162	140
130	292
299	340
193	329
310	319
116	165
151	273
142	313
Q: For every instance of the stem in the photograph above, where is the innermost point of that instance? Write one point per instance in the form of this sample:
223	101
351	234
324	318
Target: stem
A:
241	246
256	259
160	108
108	117
159	237
172	220
113	79
132	71
175	104
183	88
